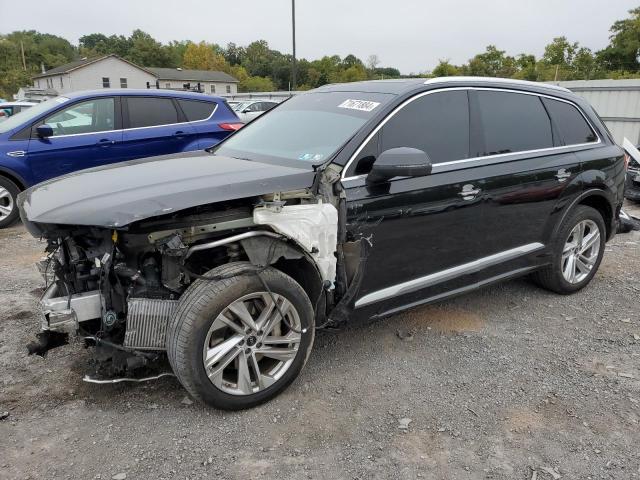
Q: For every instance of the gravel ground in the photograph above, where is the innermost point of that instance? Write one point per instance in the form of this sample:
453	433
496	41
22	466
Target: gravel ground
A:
510	382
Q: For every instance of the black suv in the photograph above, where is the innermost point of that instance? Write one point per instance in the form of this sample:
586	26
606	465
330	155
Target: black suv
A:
354	200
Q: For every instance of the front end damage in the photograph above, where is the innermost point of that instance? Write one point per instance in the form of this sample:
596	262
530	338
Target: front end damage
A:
117	288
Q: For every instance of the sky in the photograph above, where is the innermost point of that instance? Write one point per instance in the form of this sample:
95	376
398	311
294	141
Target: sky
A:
411	35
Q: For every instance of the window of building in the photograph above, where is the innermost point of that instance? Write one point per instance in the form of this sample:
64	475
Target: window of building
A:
437	124
167	85
572	125
213	88
150	111
195	110
228	88
97	115
38	83
123	83
61	84
513	122
105	82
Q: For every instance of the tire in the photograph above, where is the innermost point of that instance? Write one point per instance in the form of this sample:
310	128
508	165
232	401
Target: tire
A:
197	329
552	277
8	193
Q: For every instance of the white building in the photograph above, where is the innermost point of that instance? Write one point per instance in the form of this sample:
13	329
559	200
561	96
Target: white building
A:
213	83
111	71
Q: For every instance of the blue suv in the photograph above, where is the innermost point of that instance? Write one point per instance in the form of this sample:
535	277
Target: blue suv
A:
87	129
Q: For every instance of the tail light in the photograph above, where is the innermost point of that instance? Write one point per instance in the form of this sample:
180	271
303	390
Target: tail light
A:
232	127
627	159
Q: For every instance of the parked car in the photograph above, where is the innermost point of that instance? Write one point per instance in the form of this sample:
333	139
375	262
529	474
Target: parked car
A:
8	109
251	109
349	201
88	129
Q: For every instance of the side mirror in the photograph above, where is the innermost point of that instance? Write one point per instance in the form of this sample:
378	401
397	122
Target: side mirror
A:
44	130
399	162
246	110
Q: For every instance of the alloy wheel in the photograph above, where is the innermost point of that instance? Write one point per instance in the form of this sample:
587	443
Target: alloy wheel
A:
580	252
6	203
248	346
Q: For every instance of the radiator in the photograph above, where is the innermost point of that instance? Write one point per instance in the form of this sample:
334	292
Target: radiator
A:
147	321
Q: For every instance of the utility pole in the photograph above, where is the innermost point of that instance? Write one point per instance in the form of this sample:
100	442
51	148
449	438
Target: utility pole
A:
293	29
24	62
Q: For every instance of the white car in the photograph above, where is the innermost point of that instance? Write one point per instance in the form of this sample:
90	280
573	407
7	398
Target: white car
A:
8	109
251	109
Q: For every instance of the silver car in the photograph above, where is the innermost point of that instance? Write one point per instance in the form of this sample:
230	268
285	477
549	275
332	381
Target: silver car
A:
251	109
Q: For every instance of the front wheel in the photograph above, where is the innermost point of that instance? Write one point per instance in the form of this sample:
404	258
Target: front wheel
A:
577	252
233	343
8	207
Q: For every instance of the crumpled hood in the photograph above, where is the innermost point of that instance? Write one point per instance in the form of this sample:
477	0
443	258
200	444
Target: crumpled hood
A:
117	195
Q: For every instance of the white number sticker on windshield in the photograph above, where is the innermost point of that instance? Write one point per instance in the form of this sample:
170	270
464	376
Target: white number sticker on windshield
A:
362	105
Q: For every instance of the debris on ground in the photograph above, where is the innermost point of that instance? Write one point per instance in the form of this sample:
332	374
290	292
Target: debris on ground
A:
403	423
405	335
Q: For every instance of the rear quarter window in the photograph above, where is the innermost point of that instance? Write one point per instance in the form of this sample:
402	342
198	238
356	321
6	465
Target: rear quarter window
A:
571	123
196	110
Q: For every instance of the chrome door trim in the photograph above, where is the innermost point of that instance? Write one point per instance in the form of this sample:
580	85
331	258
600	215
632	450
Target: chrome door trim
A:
17	153
439	166
448	274
140	128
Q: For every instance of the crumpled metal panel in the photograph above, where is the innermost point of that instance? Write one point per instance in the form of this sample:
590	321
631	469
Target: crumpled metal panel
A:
117	195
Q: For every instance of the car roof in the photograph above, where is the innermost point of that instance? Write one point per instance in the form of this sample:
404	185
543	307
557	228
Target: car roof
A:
19	104
400	86
149	92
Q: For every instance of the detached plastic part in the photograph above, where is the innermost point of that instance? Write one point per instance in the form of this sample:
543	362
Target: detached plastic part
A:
313	226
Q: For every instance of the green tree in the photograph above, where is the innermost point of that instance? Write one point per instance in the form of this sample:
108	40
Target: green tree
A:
624	46
257	84
148	52
445	69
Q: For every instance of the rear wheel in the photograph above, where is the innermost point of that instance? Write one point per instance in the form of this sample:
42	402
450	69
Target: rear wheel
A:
8	206
229	344
577	252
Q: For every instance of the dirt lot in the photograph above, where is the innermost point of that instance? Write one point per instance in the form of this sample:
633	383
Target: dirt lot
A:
510	382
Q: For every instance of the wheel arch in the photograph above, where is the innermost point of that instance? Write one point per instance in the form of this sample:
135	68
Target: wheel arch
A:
594	198
290	259
14	177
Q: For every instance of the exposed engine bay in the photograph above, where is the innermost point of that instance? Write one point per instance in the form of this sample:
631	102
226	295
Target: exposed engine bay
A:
118	287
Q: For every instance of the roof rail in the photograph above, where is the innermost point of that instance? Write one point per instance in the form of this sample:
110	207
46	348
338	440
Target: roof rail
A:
506	81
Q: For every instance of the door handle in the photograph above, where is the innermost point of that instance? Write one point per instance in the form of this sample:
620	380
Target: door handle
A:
105	142
469	192
179	134
563	175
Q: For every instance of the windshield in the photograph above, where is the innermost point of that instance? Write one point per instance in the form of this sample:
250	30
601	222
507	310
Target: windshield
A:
309	127
25	116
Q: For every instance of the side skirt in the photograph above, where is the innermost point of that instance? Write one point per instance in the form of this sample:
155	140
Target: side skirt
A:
458	291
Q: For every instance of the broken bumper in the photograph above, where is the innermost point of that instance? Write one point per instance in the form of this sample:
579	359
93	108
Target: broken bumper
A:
65	313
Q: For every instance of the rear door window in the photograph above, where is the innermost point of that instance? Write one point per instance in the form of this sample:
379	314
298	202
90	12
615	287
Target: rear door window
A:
437	124
512	122
196	110
151	111
571	123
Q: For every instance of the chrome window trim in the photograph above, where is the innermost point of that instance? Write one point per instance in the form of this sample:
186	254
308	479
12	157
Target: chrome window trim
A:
448	274
150	126
466	160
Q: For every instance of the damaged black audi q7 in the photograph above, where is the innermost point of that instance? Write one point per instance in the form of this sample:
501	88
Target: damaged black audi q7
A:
353	200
